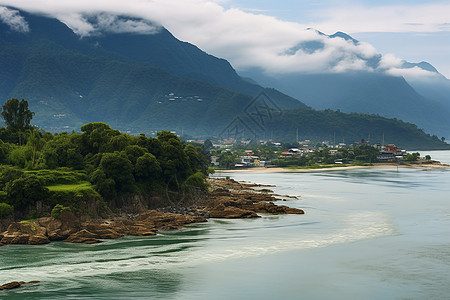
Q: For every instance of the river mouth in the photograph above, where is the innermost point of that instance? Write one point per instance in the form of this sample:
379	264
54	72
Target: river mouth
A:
366	233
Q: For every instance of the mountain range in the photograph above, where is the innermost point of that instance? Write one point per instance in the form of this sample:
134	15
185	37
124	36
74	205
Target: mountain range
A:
422	100
152	82
127	80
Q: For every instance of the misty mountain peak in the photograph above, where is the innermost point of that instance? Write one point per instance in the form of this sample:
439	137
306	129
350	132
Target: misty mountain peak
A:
106	23
422	65
13	19
345	36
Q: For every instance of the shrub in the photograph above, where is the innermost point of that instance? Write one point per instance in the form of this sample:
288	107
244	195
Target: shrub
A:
56	211
25	191
147	166
117	167
412	156
9	174
4	151
5	210
196	181
105	186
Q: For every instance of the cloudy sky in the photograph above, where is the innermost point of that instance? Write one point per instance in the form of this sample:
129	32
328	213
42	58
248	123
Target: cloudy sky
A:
259	33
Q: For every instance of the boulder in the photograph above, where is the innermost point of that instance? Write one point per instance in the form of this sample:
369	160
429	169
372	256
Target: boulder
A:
165	221
103	231
19	238
270	208
38	240
11	285
25	233
231	212
83	236
15	284
140	230
60	229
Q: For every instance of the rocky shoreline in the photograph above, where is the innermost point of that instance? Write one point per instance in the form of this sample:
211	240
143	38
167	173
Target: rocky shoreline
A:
227	199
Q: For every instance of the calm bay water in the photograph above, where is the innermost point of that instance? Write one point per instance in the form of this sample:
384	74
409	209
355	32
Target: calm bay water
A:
366	234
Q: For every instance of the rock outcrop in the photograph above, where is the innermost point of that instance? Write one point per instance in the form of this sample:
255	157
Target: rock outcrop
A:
228	199
231	199
25	233
231	212
61	228
69	229
15	284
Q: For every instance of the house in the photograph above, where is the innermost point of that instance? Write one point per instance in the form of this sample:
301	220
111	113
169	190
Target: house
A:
215	161
397	151
291	152
333	152
391	148
250	160
386	156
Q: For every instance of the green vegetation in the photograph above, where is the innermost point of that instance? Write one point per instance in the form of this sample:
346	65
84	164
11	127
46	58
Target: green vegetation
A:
16	114
56	211
82	187
329	125
412	156
5	210
324	158
45	171
69	82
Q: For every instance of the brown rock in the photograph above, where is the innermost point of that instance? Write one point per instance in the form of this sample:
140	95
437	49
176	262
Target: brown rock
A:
20	239
221	192
270	208
11	285
8	238
16	284
291	210
230	212
165	221
83	236
24	233
137	230
103	231
38	240
58	230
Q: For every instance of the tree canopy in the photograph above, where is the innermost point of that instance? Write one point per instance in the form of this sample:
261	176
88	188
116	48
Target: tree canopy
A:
99	160
16	114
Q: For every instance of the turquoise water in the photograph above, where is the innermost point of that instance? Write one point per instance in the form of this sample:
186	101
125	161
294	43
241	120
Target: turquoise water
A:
366	234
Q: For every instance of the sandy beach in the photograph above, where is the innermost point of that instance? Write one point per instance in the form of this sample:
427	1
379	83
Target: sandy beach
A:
286	170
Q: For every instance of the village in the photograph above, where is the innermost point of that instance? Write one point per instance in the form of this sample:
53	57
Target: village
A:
229	154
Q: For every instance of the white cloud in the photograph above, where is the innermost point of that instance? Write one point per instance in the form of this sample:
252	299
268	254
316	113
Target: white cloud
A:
244	38
90	24
78	23
413	74
389	61
13	19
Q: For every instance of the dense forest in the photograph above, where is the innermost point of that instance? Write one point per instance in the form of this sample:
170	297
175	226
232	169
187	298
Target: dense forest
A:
43	173
335	126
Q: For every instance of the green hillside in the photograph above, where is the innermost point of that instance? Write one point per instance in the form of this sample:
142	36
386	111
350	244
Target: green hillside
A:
329	125
112	78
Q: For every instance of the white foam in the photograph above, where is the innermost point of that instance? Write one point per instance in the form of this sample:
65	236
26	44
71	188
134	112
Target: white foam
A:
222	245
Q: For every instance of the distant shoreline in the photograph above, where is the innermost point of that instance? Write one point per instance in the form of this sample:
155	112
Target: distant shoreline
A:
287	170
